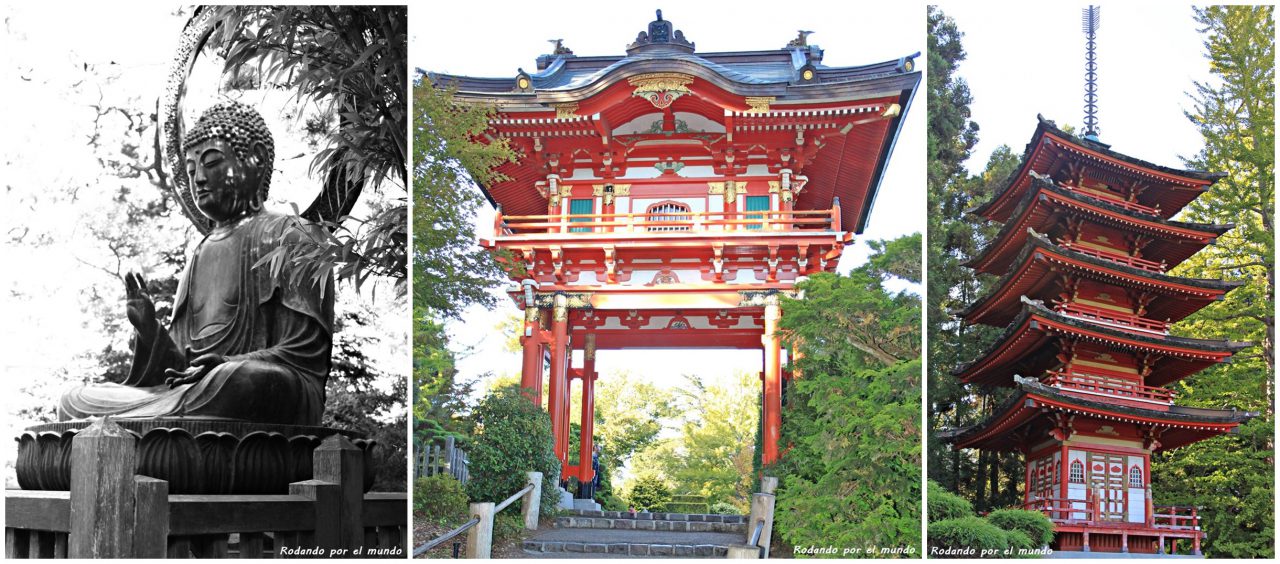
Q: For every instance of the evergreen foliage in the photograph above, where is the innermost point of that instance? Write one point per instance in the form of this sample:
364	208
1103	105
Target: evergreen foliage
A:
513	436
968	532
439	498
945	505
851	473
1037	528
1231	477
649	493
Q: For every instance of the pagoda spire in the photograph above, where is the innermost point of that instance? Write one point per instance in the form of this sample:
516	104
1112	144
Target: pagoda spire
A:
1089	20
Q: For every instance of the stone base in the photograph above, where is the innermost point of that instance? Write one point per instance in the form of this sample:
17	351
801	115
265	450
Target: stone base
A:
195	455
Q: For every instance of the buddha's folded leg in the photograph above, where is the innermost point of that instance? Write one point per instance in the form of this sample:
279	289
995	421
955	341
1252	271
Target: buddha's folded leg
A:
119	400
254	390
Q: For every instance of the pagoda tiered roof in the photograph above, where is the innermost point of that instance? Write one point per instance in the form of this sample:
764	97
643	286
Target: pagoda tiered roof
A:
1033	275
777	109
1043	204
1167	190
1035	409
1028	347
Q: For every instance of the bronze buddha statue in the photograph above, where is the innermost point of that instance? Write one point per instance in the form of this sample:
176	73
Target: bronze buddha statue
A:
247	342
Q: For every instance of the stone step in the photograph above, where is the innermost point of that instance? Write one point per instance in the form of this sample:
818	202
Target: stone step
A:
632	543
585	505
650	525
645	516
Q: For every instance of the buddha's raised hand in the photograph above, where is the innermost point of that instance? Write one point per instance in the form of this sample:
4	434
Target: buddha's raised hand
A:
138	305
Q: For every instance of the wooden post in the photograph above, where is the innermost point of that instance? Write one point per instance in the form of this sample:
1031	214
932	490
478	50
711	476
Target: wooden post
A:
1085	548
772	408
532	501
743	551
326	498
769	485
557	406
151	517
761	510
103	458
480	537
587	425
337	461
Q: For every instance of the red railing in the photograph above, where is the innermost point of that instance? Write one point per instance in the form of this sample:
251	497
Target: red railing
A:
1110	317
1175	517
1065	509
1127	260
1107	386
1131	206
666	221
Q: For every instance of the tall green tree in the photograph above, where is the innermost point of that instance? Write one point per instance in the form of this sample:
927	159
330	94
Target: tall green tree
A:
450	270
1231	477
851	470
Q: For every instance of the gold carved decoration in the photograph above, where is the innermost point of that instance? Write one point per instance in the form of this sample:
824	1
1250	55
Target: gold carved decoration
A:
566	111
759	104
618	190
661	88
729	189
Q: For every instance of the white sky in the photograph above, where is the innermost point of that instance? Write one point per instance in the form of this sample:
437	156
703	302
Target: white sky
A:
1026	58
495	38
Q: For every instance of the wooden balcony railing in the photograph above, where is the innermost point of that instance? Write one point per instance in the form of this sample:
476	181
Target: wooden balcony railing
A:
1131	206
1107	386
1063	510
1126	260
1114	318
668	221
1060	509
1175	517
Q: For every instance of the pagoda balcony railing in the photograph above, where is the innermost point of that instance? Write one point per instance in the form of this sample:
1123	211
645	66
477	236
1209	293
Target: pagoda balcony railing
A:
1100	385
1089	511
671	221
1126	260
1114	318
1175	517
1131	206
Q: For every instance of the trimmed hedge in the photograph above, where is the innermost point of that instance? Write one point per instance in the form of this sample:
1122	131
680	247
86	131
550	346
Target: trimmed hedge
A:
967	532
513	437
439	497
945	505
1037	527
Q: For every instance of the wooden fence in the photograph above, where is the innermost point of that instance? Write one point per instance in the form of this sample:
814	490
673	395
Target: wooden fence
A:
759	523
112	513
444	458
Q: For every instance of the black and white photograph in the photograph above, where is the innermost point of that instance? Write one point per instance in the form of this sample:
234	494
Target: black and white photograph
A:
205	281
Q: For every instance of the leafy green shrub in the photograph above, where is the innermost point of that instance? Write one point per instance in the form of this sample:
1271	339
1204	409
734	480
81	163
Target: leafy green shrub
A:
513	436
508	525
649	493
945	505
725	508
967	532
1037	527
1018	540
439	497
610	502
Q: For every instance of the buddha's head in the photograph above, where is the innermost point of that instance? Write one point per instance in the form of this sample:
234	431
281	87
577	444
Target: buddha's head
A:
229	156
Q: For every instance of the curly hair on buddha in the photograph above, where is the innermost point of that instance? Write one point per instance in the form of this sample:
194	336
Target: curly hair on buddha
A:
240	126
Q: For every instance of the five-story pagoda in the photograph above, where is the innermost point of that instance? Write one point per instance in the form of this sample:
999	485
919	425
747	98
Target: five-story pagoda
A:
1087	303
665	198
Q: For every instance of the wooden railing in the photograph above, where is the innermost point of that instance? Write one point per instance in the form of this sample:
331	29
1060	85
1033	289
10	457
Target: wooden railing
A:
1107	386
1109	317
112	513
1127	260
445	458
479	528
1065	509
759	523
1131	206
1175	517
668	221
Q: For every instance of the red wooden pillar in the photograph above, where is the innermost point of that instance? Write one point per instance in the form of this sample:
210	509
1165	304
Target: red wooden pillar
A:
558	387
531	368
772	408
585	439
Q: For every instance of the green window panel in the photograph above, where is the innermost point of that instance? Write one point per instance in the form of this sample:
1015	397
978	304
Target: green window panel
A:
756	203
584	206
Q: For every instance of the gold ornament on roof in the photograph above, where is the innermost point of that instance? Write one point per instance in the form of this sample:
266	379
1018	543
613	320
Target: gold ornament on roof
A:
566	111
661	88
759	104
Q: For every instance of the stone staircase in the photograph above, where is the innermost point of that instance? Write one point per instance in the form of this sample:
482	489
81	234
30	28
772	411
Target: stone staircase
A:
623	534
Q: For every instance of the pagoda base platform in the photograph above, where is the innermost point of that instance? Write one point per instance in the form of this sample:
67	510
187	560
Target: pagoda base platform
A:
195	455
1114	555
1117	539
